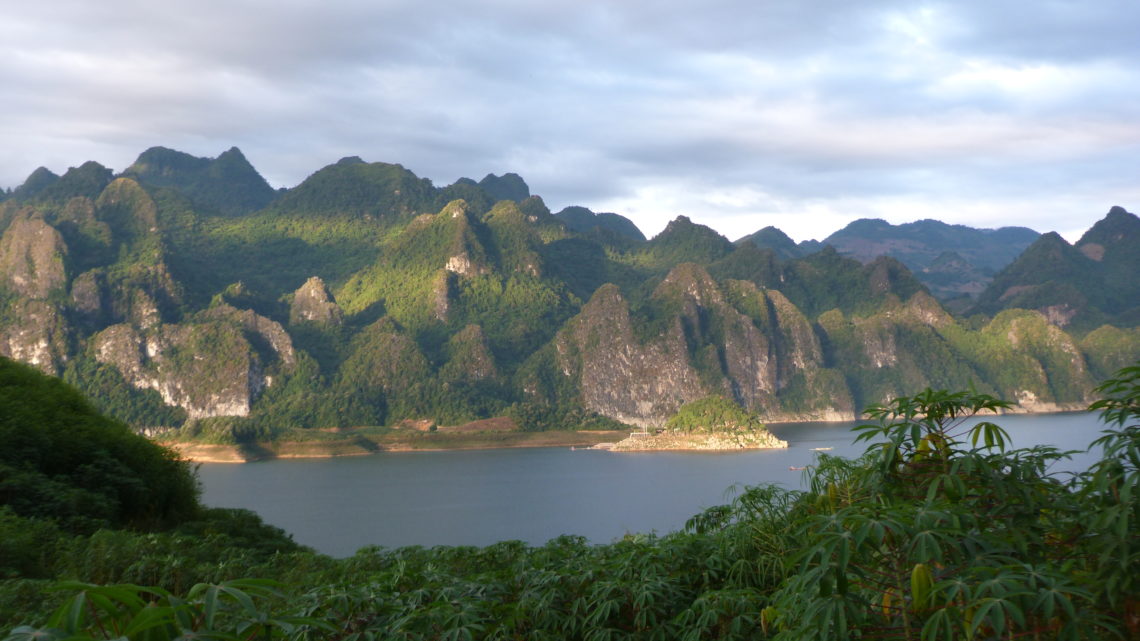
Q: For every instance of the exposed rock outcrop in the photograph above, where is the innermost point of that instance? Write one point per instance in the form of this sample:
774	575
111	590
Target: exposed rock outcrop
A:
33	329
206	369
269	331
925	309
636	383
88	294
756	346
670	440
441	293
36	335
736	340
214	365
32	257
313	303
144	294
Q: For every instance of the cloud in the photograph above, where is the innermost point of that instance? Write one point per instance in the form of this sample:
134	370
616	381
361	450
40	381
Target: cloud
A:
733	112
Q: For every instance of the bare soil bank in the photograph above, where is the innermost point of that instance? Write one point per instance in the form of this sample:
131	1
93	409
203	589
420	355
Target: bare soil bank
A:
492	433
353	444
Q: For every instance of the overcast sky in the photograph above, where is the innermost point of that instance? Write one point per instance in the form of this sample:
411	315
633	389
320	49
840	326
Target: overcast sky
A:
740	114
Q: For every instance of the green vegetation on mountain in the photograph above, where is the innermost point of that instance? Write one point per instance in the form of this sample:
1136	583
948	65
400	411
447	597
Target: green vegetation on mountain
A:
186	293
35	184
821	281
84	181
83	496
1109	349
227	184
1081	286
1114	244
683	241
506	187
381	192
922	246
584	221
775	240
110	393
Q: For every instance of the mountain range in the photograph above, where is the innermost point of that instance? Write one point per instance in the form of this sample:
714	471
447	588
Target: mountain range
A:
955	262
187	292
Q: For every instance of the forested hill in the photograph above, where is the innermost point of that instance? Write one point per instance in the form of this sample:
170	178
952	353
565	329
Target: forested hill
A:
186	292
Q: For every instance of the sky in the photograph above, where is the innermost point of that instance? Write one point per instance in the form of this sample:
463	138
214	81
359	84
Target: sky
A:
801	114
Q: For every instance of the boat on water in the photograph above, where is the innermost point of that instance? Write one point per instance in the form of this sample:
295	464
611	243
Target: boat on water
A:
796	468
821	449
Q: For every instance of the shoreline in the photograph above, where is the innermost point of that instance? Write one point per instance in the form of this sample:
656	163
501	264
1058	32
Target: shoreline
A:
352	443
357	445
1015	410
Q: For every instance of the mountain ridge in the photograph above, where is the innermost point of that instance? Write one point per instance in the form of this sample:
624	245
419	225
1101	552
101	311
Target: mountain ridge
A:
368	295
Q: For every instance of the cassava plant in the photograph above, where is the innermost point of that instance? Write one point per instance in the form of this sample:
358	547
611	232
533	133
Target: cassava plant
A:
939	533
1111	494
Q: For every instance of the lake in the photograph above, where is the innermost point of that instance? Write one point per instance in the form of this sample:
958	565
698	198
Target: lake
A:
478	497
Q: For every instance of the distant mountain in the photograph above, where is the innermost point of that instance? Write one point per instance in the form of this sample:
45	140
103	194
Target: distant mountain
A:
1114	243
367	295
227	184
1094	282
919	243
951	260
954	279
682	240
505	187
351	187
86	180
776	240
585	221
822	281
35	184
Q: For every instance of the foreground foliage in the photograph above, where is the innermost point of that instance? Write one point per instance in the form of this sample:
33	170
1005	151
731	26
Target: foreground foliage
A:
60	459
940	531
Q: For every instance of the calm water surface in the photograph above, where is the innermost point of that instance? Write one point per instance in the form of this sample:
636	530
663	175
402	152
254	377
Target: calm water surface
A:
479	497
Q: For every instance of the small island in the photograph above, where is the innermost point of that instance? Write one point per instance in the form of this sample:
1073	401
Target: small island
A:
713	423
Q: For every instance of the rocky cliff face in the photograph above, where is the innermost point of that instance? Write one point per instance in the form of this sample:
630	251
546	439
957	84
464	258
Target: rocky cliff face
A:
751	345
480	305
32	255
1052	373
214	365
312	303
36	334
729	342
33	327
810	390
441	293
622	378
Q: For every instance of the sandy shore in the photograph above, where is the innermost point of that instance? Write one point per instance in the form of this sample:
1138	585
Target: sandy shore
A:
359	445
478	435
